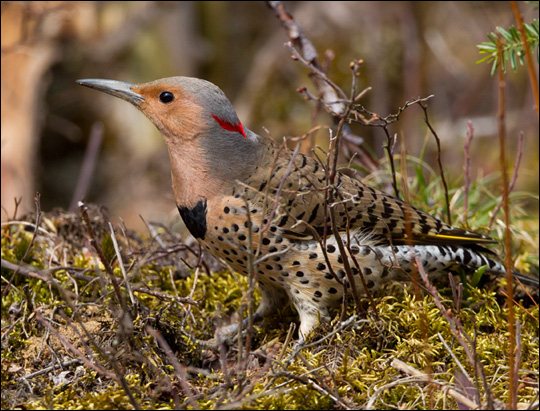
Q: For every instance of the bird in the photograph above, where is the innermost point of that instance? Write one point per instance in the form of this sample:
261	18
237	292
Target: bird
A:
264	210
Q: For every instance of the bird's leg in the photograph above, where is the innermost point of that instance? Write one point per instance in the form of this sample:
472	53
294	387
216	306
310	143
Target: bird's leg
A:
311	315
229	332
271	299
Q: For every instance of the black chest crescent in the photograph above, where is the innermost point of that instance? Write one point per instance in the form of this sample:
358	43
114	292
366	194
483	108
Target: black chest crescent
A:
195	219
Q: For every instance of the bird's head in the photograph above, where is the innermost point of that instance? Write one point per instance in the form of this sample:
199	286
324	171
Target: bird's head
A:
205	138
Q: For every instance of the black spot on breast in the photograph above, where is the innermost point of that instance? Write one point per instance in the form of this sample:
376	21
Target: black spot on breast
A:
195	219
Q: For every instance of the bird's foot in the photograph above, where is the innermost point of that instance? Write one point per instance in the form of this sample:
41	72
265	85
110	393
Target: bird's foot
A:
229	333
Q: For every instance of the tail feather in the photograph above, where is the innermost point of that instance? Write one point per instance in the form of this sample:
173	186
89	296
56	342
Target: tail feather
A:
527	279
496	267
437	258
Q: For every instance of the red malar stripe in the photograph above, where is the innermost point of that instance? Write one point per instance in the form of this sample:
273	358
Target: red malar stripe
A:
225	125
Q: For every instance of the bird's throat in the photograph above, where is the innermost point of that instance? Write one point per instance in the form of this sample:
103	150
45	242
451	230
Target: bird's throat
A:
195	219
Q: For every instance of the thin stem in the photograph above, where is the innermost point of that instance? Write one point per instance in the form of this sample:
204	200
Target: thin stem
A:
501	122
528	55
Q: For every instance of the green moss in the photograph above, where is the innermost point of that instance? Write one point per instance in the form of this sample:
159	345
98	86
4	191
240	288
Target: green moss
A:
107	246
348	369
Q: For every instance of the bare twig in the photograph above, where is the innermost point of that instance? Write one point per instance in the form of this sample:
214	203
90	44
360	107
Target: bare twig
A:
441	171
462	399
304	51
88	166
178	368
515	371
34	236
121	264
46	276
517	164
94	366
530	62
457	331
119	297
467	170
376	121
533	317
48	369
501	123
389	147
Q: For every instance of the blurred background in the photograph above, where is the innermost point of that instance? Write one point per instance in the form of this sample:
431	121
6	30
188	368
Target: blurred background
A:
410	49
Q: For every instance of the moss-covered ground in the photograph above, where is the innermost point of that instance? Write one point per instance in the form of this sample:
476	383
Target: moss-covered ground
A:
69	341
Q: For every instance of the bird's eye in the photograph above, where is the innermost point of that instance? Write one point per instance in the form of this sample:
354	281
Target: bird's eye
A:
166	97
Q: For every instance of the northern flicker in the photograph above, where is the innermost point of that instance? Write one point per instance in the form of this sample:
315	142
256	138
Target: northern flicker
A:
264	208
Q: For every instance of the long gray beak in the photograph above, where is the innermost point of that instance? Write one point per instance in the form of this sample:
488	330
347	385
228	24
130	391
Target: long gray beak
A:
116	88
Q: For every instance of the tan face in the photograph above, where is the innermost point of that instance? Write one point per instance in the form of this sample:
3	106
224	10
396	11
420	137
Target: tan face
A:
175	112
